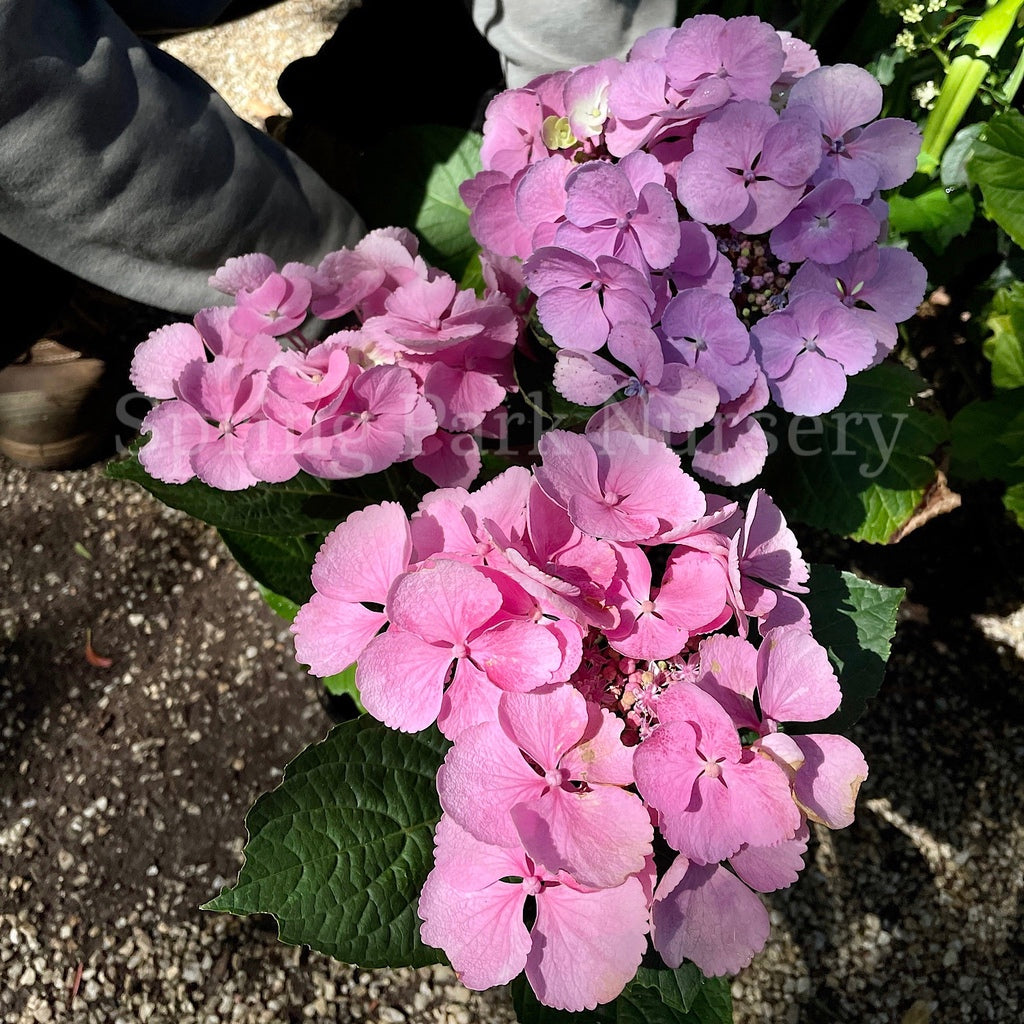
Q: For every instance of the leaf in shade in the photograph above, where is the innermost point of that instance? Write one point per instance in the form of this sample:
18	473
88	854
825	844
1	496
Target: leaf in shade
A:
339	851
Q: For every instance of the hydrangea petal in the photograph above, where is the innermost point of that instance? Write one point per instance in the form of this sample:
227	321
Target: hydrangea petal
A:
796	682
827	783
770	868
483	777
401	678
330	635
599	835
703	913
587	945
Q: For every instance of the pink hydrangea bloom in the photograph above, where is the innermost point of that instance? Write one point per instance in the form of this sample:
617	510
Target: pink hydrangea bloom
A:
617	486
447	623
712	794
583	948
353	572
275	307
242	273
554	771
202	433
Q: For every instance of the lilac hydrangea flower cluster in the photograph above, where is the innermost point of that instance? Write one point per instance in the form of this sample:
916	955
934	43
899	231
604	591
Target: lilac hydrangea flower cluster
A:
245	396
564	627
701	226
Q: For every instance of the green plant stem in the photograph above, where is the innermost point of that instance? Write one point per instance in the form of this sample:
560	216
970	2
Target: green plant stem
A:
963	79
1013	83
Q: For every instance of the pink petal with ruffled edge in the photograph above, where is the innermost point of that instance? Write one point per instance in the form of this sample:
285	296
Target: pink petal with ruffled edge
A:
401	679
482	933
364	555
270	452
443	601
159	360
827	783
449	460
483	777
545	725
694	589
796	682
176	428
221	462
586	945
330	635
705	914
770	551
469	913
600	836
770	868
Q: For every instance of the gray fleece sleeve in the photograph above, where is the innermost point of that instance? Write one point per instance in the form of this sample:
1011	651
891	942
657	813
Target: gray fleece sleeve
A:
121	165
534	37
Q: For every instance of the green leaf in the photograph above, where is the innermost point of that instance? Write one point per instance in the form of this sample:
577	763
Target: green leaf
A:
1013	499
997	167
953	166
941	216
413	178
1004	348
676	988
302	505
861	470
344	683
339	851
854	620
988	439
643	1001
279	564
278	604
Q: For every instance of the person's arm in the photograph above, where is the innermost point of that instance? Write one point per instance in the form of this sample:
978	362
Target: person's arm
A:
534	37
121	165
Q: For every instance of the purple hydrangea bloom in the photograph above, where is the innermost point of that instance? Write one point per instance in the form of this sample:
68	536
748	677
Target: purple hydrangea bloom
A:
670	397
702	328
579	300
880	286
807	351
827	226
699	264
748	168
621	210
845	98
743	54
645	107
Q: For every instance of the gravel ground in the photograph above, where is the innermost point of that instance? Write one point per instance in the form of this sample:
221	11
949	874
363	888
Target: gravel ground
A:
125	787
